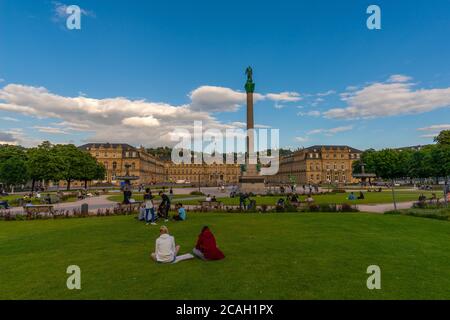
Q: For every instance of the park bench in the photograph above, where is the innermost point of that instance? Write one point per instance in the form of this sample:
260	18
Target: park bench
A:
33	211
211	205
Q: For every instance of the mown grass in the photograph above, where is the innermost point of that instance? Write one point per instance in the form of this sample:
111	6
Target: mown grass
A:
268	256
338	198
12	199
140	197
431	213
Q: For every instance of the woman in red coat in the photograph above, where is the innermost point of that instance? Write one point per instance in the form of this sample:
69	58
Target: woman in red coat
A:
206	247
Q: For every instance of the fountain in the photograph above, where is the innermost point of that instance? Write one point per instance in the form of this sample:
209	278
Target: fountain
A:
126	186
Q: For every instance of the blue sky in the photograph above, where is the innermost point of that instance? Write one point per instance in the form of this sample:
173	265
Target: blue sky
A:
138	69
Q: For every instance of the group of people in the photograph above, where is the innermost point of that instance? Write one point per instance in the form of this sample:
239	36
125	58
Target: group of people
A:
433	199
306	189
166	250
210	199
352	196
293	199
151	213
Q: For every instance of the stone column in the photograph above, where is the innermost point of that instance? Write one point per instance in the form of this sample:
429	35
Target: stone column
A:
250	126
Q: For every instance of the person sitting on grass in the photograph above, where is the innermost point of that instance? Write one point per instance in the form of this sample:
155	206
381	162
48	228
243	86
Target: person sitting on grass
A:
433	198
181	216
422	198
309	199
4	204
213	199
294	199
280	204
206	247
351	196
208	198
165	249
361	196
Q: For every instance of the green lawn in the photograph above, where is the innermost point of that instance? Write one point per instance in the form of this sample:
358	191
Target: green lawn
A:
140	197
268	256
370	198
12	198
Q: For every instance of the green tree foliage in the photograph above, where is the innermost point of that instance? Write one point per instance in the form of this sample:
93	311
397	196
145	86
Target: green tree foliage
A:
72	161
91	169
43	164
13	169
443	138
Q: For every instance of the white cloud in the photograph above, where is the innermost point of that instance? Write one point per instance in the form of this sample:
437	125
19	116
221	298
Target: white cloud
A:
436	127
395	97
302	139
149	121
9	119
428	136
72	126
326	93
330	132
351	88
217	99
120	119
313	113
399	78
51	130
284	96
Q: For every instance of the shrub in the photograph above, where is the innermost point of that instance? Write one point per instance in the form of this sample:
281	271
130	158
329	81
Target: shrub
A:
338	191
328	207
345	207
197	193
290	208
313	208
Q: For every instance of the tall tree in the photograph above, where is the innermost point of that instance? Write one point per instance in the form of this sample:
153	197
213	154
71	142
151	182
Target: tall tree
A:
443	138
72	160
43	164
13	169
91	169
392	164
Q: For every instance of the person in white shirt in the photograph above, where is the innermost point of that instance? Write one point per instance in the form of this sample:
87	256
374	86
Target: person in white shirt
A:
165	249
208	198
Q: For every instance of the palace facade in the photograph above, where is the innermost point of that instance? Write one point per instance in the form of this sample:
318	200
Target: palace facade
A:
206	175
115	156
319	164
151	170
316	165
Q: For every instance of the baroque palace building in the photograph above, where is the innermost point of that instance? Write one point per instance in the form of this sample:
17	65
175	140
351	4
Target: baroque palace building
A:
206	175
115	156
152	170
318	164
